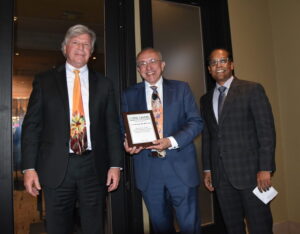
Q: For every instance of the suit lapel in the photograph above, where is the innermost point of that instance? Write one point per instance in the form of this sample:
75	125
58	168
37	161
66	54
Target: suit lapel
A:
168	91
141	97
61	80
231	95
92	94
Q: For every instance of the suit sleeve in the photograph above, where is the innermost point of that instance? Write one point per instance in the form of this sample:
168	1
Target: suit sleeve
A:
113	133
205	141
264	122
32	127
193	121
124	108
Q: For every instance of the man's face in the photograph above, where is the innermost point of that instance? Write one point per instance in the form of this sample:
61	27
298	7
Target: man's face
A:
220	67
78	50
150	66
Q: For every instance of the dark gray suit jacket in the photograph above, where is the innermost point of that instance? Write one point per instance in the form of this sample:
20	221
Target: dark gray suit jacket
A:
46	127
244	139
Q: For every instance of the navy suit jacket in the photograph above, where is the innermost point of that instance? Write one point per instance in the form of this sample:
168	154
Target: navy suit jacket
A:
181	120
244	138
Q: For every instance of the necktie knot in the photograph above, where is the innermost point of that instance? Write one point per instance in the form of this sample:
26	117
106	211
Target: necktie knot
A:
155	93
154	88
222	89
76	72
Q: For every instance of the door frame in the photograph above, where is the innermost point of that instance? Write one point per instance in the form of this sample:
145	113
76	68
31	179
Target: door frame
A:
216	34
6	57
120	68
126	202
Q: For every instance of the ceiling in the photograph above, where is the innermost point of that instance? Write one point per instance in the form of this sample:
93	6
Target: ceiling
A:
39	29
42	24
60	13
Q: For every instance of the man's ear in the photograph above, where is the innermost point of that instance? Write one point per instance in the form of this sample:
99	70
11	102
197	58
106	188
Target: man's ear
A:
64	50
209	69
163	64
231	66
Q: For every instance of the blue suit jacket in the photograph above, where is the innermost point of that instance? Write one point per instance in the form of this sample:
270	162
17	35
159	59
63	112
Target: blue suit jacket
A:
181	120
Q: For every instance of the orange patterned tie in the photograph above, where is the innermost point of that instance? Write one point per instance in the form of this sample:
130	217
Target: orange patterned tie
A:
78	124
157	110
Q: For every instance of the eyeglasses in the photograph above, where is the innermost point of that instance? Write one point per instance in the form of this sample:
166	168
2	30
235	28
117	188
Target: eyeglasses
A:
84	44
143	64
222	61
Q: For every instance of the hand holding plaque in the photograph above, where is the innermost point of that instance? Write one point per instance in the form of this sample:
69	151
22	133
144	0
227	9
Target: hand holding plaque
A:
140	128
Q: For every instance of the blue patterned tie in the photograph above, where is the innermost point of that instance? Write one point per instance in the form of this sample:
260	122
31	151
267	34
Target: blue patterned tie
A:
221	100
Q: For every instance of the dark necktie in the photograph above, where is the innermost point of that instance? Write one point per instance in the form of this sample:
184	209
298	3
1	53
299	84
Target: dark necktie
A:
221	100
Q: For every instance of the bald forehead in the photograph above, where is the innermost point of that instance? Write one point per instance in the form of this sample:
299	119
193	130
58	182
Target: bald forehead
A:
149	51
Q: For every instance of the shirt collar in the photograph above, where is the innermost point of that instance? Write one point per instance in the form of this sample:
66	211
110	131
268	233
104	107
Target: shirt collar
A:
158	83
70	68
226	84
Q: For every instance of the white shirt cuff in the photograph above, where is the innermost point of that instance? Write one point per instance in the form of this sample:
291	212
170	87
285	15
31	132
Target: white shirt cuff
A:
121	168
174	144
29	169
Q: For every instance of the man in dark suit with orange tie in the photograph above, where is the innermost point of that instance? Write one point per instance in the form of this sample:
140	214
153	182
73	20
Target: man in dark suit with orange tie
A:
166	173
71	140
238	146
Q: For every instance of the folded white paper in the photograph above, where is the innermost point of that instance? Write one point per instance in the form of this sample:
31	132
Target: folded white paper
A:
265	196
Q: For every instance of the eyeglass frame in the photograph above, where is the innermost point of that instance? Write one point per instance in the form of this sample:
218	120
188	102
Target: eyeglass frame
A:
145	63
223	61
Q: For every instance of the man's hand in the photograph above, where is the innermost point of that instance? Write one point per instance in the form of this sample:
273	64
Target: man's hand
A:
132	150
207	181
160	144
263	180
31	182
113	178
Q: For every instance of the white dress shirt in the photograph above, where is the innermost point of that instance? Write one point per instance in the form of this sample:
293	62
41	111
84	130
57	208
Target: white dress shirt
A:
149	91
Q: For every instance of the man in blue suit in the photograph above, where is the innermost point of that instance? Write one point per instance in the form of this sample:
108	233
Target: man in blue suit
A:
166	173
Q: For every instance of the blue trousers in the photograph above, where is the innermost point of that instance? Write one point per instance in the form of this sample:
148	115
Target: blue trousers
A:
167	195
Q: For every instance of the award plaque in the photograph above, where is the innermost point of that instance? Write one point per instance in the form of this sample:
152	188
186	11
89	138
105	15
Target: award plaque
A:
140	128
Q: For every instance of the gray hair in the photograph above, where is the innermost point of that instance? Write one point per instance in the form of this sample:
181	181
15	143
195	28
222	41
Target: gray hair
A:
78	30
150	49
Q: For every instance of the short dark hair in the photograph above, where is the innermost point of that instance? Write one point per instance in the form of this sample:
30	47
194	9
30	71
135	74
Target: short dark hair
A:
221	48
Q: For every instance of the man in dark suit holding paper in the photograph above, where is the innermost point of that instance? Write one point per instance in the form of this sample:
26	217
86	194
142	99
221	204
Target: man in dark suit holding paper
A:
166	173
238	147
